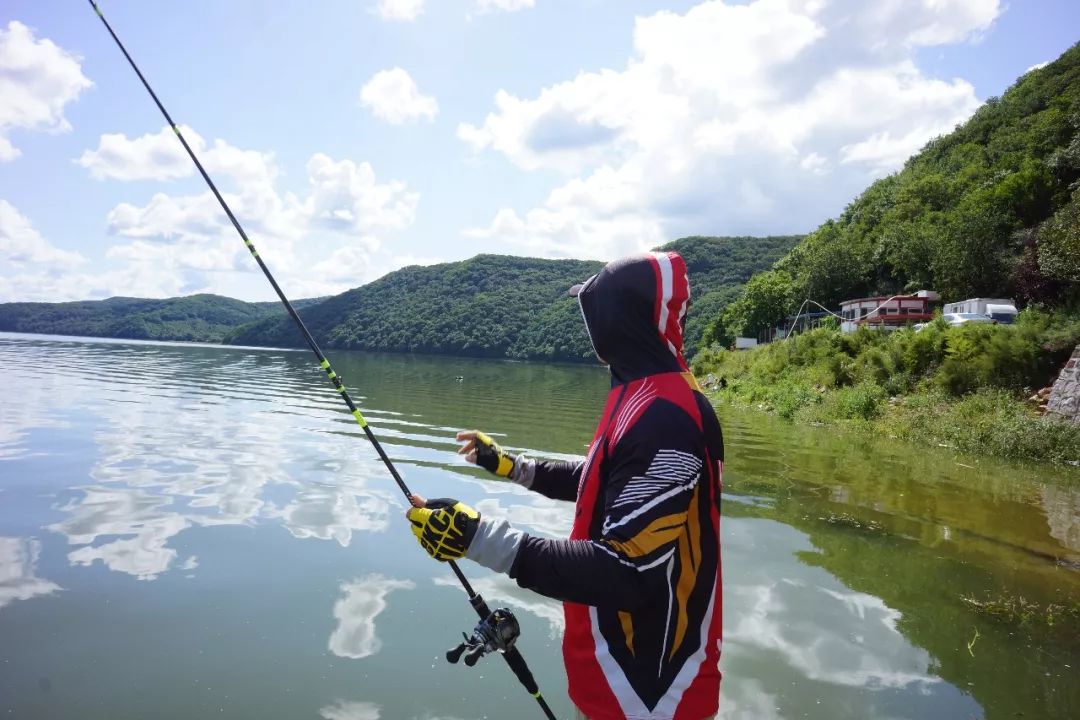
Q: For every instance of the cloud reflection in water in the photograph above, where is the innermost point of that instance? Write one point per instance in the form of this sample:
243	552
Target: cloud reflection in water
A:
365	598
498	589
160	471
350	710
18	568
821	642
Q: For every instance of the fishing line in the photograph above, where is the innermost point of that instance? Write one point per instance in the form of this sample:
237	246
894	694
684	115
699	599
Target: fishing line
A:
494	632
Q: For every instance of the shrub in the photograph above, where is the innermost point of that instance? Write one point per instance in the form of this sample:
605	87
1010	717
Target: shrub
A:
861	402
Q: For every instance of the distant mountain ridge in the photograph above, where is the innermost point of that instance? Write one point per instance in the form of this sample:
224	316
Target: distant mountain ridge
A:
487	306
503	306
194	318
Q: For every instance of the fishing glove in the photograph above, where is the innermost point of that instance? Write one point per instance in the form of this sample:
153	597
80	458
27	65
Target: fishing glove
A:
444	527
491	457
450	530
494	459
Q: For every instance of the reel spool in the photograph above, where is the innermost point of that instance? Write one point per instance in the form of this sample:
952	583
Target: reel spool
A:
495	633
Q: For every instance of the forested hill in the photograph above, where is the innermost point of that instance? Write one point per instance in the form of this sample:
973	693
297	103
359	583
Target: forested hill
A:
196	318
991	209
719	267
502	306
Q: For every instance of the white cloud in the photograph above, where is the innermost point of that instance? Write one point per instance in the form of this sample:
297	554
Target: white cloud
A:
150	157
37	80
601	216
346	196
485	6
392	95
177	244
185	242
726	114
21	244
364	599
937	22
160	156
401	10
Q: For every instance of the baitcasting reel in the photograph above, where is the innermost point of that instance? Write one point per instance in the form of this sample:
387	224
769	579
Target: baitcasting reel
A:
496	632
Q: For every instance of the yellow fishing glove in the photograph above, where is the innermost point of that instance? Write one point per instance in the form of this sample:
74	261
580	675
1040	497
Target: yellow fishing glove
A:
444	527
491	457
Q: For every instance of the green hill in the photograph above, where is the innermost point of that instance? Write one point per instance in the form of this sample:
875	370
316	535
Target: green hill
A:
197	318
991	209
502	306
719	267
487	306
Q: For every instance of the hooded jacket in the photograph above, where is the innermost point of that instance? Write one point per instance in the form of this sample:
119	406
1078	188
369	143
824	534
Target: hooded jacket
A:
640	573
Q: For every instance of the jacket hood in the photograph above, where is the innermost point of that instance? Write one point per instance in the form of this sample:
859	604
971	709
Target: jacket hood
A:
634	310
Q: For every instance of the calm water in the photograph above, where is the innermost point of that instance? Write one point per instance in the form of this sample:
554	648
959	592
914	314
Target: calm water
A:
196	531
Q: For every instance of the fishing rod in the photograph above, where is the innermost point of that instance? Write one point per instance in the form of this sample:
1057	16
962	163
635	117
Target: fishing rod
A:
497	631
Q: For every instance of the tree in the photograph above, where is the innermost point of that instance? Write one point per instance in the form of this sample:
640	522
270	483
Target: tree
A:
768	299
1059	243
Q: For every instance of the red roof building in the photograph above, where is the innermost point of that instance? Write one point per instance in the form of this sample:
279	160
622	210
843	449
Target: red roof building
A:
886	312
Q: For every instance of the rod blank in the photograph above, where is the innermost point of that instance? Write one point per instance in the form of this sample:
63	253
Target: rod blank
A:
513	657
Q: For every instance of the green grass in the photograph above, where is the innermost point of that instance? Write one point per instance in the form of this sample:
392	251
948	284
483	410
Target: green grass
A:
963	388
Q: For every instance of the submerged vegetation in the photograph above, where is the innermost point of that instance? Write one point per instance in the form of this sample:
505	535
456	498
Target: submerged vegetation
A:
960	387
1018	610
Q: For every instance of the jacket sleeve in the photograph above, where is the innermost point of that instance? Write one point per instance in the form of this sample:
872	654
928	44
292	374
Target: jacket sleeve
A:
643	505
556	479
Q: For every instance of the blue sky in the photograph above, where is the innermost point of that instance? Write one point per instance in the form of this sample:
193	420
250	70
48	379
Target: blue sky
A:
359	136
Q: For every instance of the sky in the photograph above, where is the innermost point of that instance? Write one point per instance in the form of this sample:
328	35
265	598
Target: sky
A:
355	137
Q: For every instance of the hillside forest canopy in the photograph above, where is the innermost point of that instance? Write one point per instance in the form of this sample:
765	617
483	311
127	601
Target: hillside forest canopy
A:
991	209
487	306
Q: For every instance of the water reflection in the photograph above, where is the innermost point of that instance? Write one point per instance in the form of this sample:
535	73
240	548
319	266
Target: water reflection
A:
532	513
18	571
187	459
774	617
364	599
350	710
500	590
334	513
139	517
1062	508
845	559
801	622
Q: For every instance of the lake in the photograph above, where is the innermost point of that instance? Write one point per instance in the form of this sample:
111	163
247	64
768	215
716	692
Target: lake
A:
194	531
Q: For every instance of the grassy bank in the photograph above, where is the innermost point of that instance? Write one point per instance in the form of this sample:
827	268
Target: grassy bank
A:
964	388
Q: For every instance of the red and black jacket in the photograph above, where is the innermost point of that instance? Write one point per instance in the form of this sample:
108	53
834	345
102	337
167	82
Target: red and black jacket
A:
640	573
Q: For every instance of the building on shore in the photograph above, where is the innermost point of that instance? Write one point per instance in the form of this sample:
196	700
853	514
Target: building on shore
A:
887	312
793	324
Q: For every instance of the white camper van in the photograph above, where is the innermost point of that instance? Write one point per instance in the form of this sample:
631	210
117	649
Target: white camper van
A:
1001	310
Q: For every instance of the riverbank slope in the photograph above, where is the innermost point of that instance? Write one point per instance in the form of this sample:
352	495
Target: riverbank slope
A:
961	387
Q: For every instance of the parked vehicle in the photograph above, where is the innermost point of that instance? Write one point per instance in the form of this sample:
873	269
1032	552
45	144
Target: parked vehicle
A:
956	319
1000	309
963	318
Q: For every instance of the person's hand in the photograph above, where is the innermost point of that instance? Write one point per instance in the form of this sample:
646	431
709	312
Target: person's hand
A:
481	450
444	527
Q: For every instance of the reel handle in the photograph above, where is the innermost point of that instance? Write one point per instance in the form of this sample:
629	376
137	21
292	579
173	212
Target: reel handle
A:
454	654
473	655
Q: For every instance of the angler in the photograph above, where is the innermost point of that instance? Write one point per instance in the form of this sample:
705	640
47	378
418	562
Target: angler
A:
497	631
640	573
